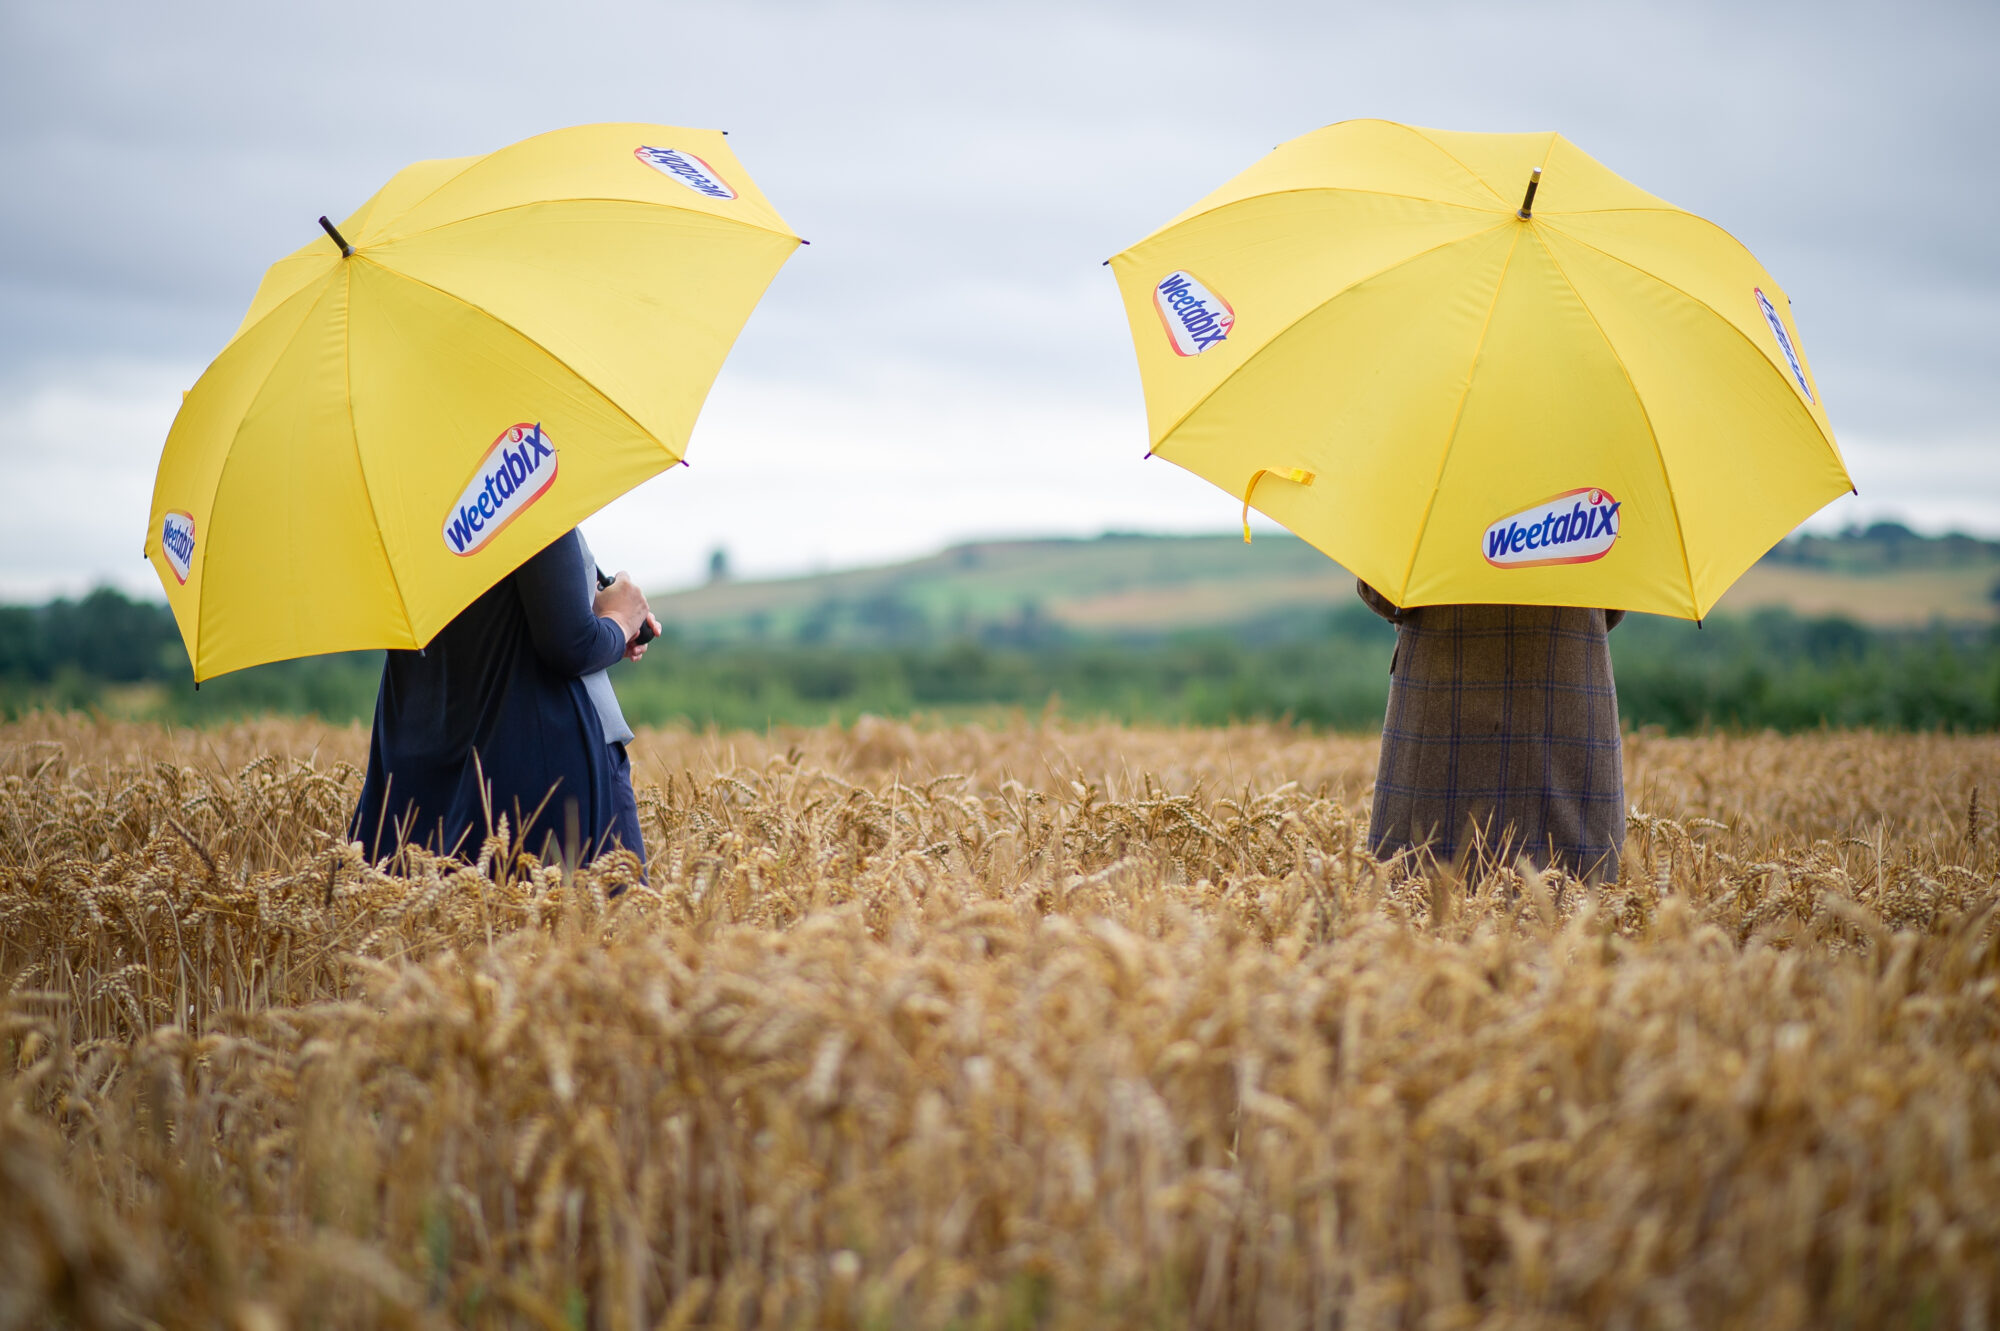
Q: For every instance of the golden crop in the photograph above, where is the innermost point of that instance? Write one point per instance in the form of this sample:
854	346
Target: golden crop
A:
1038	1026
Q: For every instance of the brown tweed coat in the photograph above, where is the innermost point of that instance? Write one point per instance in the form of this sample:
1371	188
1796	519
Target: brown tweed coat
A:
1502	736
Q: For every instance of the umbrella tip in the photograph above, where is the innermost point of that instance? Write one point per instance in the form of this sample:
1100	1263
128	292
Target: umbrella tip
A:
346	250
1528	202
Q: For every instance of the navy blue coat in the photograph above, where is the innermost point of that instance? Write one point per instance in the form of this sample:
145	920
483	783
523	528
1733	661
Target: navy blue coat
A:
497	694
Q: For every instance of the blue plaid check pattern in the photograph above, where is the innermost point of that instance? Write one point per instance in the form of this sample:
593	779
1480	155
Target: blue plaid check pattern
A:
1501	737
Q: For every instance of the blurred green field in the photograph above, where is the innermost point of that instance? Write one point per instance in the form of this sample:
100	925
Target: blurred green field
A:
1875	628
1277	587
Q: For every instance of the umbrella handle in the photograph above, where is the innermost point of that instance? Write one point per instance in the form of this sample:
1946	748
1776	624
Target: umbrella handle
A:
646	633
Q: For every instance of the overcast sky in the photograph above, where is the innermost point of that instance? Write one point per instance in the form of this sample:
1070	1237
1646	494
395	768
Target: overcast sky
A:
948	359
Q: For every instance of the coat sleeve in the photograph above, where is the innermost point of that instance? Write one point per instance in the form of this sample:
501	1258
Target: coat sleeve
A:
569	636
1377	602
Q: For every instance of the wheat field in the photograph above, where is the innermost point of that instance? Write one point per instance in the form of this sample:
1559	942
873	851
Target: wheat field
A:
1045	1025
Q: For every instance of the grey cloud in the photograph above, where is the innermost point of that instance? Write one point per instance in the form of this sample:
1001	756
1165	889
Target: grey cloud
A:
962	170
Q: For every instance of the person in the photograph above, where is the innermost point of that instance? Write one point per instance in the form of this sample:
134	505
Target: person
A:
508	711
1501	738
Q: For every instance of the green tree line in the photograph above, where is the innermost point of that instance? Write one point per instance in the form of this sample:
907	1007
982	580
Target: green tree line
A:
1771	669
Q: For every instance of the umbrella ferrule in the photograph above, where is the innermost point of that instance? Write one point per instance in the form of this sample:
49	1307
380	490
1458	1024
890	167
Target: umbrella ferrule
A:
1527	202
347	250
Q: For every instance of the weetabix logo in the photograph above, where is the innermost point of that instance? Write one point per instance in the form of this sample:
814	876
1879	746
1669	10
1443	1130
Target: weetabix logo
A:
1195	317
1574	527
1784	341
679	164
177	543
517	470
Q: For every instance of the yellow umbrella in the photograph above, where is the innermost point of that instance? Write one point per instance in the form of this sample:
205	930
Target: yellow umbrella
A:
486	352
1469	389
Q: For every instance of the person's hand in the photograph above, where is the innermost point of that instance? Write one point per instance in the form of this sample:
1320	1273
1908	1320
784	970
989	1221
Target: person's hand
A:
634	649
623	602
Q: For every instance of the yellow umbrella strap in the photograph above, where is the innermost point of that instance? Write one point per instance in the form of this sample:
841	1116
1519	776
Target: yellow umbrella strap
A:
1296	475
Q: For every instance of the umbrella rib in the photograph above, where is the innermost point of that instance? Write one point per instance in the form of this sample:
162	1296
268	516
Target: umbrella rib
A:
1454	159
222	472
431	193
674	208
1693	299
1673	502
480	160
269	314
1458	415
361	463
1221	208
567	367
1665	209
243	329
1307	313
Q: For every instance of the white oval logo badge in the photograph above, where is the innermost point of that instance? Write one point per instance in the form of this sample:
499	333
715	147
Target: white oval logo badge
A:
1195	317
1573	527
685	167
516	471
1784	340
177	542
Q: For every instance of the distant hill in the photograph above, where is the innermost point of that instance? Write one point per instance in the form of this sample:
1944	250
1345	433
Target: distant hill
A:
1136	586
1177	630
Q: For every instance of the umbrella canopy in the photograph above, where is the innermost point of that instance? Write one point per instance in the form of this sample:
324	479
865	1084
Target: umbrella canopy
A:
1372	336
486	352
